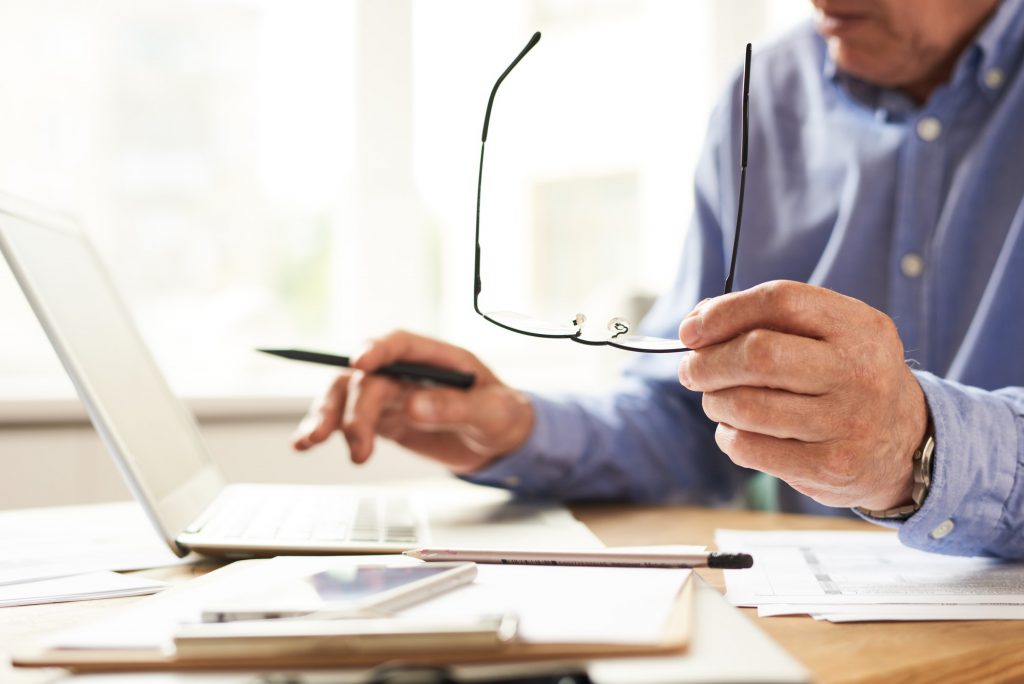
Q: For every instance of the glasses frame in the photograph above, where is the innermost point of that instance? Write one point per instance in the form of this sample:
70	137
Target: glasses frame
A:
578	335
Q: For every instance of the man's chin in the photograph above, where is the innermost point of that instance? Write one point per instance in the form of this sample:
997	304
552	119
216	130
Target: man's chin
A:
863	63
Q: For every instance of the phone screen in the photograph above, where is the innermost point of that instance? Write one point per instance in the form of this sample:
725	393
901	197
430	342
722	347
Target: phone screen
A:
349	584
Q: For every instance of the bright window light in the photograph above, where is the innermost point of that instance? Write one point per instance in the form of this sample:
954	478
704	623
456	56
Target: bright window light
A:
302	173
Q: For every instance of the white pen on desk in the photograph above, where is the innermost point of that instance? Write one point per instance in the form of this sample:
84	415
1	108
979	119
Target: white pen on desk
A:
610	559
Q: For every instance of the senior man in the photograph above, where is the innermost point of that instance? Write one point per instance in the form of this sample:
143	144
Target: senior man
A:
872	356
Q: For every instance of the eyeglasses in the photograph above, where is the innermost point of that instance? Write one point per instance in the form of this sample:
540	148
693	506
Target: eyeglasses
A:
618	328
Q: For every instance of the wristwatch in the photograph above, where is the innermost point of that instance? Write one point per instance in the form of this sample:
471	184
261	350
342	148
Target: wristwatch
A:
922	480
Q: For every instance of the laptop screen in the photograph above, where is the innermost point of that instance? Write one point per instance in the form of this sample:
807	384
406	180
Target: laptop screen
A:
151	432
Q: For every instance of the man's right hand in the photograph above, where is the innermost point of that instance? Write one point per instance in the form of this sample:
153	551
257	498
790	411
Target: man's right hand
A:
463	429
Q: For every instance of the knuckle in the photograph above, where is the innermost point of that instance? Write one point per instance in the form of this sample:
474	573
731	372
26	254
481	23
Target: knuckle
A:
759	353
709	403
350	427
401	335
686	371
783	295
695	372
883	324
731	442
724	439
395	339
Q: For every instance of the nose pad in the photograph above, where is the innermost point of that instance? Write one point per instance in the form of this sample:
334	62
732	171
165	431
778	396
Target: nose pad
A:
618	326
579	321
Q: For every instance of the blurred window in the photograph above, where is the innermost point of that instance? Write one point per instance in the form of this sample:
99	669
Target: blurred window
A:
257	172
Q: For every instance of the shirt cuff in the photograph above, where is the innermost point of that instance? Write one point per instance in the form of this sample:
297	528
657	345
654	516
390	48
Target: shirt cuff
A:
973	471
555	443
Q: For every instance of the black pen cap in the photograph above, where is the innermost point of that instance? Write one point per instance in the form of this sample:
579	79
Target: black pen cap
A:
730	561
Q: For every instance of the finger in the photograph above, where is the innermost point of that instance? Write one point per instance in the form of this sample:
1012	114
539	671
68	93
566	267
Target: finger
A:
812	469
323	417
368	396
763	358
782	305
411	348
772	413
442	409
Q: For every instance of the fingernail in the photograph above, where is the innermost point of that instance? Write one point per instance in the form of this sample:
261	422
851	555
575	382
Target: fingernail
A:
689	330
425	408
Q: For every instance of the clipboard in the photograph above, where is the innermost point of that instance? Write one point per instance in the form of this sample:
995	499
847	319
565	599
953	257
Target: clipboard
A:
673	639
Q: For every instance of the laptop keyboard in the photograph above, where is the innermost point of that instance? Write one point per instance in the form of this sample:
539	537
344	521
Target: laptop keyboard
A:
312	515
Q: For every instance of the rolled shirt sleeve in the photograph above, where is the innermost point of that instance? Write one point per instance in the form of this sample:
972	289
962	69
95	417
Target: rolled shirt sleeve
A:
975	504
640	443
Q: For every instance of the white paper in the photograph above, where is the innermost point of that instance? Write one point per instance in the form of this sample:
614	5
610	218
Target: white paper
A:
568	604
725	648
96	585
823	573
41	543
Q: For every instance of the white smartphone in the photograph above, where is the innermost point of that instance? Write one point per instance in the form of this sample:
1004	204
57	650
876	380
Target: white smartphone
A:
357	591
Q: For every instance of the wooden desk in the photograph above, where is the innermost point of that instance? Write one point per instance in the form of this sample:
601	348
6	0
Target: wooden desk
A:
855	652
879	652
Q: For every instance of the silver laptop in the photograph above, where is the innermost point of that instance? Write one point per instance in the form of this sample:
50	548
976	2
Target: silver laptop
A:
152	435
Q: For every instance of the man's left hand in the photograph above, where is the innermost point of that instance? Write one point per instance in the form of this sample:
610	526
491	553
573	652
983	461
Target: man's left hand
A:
810	386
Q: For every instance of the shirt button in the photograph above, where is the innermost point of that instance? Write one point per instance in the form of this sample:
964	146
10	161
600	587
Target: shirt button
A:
994	78
929	128
943	530
511	481
912	265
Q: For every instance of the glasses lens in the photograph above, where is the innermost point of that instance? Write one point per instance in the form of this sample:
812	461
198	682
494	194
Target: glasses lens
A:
529	325
642	343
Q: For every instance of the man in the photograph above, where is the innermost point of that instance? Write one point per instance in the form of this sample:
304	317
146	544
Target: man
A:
877	309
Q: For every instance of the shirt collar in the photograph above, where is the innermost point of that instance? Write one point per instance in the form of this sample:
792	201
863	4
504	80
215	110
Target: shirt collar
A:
996	49
999	46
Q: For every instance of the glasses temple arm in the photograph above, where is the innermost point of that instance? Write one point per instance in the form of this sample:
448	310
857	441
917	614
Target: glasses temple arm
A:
743	170
477	285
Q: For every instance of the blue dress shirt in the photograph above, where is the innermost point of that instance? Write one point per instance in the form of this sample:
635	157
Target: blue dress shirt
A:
915	210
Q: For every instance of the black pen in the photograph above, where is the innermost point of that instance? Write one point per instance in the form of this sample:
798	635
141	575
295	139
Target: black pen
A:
405	372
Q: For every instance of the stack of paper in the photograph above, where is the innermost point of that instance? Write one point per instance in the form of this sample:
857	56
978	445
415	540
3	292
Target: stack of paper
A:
93	585
66	553
867	576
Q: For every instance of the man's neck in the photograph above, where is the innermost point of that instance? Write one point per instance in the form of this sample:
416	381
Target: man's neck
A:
921	90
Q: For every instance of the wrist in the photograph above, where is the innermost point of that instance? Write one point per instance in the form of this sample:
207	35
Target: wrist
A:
510	433
916	489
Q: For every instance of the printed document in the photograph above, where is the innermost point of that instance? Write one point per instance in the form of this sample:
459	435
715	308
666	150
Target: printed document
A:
847	576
